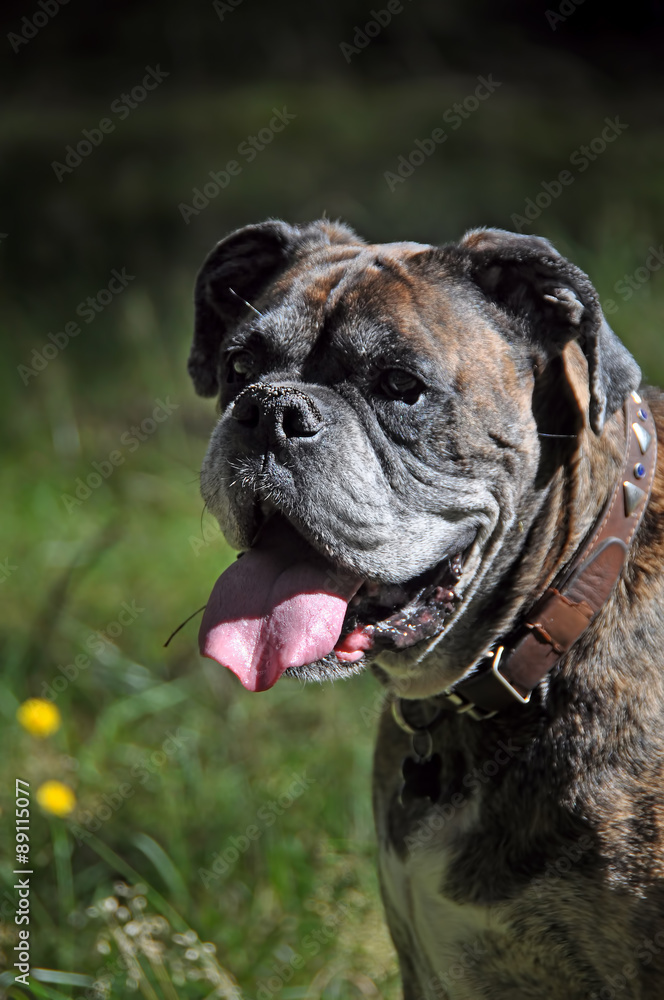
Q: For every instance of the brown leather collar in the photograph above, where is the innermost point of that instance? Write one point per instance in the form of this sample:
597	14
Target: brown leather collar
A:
561	616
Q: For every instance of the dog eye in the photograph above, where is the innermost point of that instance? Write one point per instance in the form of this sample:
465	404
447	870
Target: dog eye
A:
398	384
240	366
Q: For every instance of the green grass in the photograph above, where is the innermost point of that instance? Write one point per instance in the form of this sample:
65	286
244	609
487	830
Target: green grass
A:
169	758
186	759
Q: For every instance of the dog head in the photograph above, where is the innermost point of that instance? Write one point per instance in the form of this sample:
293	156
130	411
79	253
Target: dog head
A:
380	459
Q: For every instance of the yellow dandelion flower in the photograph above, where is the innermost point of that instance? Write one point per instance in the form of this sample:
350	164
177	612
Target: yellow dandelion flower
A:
40	717
56	797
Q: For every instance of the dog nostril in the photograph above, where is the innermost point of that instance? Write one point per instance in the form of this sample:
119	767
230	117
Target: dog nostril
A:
297	421
246	413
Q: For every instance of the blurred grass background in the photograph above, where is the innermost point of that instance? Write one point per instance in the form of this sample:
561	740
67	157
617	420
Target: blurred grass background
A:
170	761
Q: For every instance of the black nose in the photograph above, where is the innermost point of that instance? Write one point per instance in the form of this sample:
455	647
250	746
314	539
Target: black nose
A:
280	412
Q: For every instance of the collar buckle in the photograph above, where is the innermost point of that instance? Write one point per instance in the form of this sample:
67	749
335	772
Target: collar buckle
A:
463	705
503	680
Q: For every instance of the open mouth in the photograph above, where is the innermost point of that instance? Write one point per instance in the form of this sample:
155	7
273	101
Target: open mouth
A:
284	605
395	616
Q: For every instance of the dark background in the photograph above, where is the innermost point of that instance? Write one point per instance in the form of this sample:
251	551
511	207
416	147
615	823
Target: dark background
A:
66	567
560	76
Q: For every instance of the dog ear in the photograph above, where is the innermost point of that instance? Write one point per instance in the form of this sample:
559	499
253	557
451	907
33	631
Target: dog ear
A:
527	276
235	273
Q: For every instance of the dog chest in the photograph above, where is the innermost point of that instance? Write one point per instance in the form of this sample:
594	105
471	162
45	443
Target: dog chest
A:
447	939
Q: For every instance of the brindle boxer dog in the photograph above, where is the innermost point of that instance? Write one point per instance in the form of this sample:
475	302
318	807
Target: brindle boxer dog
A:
436	462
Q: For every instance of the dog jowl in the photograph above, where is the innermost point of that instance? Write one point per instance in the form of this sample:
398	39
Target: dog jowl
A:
415	443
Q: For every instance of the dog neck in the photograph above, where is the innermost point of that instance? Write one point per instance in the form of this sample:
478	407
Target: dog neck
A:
523	657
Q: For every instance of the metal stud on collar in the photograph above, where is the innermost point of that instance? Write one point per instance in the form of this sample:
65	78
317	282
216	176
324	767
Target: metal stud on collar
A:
633	497
565	611
634	494
642	436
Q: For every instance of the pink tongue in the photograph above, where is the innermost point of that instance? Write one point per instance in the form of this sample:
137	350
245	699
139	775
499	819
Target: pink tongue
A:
281	605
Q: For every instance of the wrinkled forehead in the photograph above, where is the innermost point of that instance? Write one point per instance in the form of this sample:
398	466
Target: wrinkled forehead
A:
359	296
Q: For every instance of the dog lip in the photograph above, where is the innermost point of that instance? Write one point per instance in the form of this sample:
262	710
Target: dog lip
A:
265	511
383	616
282	606
411	612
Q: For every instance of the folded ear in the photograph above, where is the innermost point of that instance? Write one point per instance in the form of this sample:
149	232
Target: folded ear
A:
556	300
234	274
